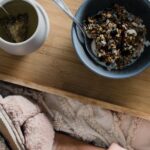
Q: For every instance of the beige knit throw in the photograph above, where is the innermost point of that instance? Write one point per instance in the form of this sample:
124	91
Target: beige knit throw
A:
86	122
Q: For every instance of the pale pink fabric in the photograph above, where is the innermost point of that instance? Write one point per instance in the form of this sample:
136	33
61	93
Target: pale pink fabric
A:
138	132
39	133
87	122
116	147
19	108
99	126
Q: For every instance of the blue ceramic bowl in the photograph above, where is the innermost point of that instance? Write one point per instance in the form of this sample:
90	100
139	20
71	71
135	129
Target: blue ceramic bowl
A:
139	8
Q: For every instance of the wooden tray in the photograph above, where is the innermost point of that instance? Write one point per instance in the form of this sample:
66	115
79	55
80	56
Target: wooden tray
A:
55	68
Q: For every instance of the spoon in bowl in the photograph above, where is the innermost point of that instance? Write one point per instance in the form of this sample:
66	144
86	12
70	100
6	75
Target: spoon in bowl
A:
87	42
4	10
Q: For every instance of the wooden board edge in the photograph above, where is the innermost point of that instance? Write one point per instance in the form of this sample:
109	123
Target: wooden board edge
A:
82	99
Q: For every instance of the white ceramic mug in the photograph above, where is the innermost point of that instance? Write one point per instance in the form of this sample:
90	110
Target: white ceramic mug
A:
37	38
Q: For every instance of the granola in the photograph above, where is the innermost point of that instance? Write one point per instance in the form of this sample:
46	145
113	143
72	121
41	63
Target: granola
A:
118	37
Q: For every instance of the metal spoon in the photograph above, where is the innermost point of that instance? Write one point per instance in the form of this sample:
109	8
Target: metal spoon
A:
87	42
4	10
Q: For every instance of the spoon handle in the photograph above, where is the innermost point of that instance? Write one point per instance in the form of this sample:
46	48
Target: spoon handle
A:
63	6
4	10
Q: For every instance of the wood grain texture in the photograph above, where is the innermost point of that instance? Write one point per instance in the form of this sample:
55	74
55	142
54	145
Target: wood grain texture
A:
56	68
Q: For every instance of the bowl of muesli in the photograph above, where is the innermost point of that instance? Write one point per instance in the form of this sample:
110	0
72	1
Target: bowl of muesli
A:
119	31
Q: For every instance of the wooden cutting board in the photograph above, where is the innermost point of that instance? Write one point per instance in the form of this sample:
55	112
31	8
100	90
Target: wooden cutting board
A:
55	68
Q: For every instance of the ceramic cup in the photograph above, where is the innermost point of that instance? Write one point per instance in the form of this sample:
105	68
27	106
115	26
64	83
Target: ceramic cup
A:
38	26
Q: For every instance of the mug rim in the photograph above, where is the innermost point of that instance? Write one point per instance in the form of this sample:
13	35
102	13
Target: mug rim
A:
3	2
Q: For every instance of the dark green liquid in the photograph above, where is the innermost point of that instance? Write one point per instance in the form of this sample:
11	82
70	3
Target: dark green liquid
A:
15	8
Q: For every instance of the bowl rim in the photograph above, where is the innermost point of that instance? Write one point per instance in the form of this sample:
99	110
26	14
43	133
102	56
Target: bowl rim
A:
94	70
